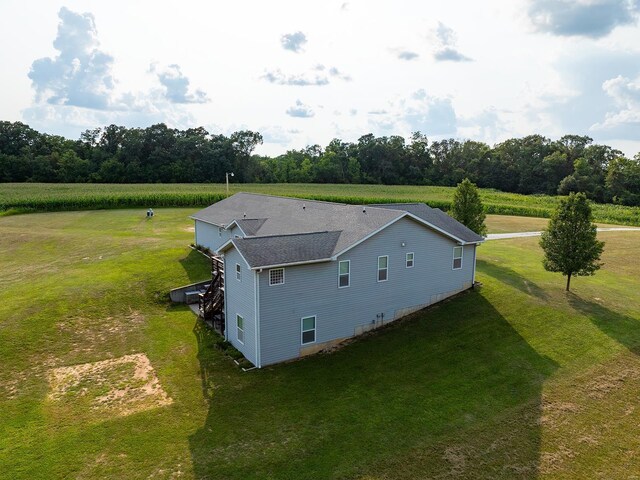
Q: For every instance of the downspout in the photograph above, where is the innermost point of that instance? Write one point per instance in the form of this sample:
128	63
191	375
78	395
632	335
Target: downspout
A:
226	330
473	280
257	314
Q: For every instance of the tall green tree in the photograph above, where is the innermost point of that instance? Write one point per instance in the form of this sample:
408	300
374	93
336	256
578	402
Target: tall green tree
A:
467	207
570	241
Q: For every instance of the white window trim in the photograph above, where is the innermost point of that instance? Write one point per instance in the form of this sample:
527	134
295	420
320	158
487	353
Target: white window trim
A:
238	272
274	284
238	329
454	257
378	270
348	274
406	259
315	329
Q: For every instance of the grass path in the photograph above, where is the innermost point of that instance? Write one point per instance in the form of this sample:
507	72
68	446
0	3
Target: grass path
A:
514	380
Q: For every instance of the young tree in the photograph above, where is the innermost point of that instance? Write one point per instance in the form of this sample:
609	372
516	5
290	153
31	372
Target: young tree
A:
467	207
570	241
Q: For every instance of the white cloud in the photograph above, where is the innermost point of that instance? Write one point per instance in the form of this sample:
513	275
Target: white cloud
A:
625	93
300	110
446	50
76	89
177	85
586	18
293	41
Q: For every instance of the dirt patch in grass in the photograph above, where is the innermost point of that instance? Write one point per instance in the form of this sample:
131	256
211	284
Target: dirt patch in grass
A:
601	386
88	334
114	387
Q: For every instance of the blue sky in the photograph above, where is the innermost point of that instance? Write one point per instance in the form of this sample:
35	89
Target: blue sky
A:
306	72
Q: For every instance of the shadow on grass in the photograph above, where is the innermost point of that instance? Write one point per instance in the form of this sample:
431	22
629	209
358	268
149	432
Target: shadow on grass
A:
451	391
622	328
513	278
197	266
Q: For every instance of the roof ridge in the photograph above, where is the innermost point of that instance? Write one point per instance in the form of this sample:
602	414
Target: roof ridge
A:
256	237
302	199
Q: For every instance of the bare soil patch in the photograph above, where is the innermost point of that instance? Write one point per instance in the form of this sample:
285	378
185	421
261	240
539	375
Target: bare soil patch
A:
115	387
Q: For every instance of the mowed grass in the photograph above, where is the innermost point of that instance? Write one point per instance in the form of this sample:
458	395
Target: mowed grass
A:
29	197
514	380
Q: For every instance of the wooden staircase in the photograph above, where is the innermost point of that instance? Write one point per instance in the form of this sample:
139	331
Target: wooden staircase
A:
211	305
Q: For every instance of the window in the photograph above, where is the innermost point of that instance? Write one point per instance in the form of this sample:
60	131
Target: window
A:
276	276
308	330
457	258
238	272
409	260
344	268
383	268
240	328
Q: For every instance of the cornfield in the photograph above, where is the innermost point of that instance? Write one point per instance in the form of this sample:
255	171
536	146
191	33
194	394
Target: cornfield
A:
40	197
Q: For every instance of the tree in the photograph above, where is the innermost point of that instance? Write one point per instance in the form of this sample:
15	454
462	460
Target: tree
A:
570	241
467	207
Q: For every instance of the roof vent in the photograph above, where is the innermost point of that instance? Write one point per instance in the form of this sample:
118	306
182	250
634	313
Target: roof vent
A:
364	209
244	215
304	206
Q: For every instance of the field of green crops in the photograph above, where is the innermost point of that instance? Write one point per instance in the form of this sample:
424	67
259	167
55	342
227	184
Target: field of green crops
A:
40	197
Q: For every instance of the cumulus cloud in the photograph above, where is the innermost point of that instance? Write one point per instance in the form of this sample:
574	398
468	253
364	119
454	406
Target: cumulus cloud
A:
334	72
320	76
625	94
177	85
75	89
446	50
594	78
278	135
300	110
80	75
293	41
418	112
297	80
407	55
587	18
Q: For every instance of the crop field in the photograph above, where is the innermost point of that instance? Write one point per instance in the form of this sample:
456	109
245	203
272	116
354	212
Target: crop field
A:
101	377
31	197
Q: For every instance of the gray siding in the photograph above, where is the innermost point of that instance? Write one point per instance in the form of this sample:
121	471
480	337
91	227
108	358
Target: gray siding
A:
209	235
240	300
312	289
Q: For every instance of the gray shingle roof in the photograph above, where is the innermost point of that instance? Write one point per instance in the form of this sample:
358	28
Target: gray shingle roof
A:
281	230
285	249
438	218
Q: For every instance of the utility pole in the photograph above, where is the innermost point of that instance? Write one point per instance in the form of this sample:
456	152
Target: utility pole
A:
227	177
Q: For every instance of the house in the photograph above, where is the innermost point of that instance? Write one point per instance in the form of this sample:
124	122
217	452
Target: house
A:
303	275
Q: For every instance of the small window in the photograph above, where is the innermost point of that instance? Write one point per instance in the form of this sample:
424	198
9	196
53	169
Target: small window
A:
240	328
409	261
276	276
238	272
383	268
457	258
344	268
308	330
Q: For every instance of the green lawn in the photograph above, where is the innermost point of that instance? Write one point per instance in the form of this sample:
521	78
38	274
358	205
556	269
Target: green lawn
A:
20	197
514	380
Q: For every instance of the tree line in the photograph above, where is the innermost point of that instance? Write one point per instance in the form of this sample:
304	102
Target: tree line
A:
158	154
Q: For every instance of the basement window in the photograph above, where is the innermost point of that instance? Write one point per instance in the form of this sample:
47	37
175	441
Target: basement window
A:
383	268
457	258
308	330
276	276
344	273
238	272
409	260
240	328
